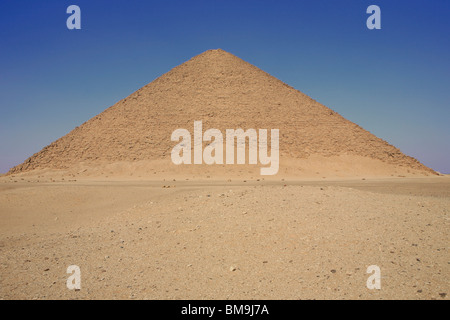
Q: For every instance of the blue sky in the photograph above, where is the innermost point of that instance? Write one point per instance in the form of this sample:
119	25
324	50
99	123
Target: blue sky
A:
393	82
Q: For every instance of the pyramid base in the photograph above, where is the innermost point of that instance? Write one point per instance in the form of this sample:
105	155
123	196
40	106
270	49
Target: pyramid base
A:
314	167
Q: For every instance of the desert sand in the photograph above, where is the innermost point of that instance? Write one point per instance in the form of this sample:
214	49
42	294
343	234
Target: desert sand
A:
225	239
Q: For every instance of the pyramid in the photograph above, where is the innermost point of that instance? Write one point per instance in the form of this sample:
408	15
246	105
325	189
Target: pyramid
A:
223	92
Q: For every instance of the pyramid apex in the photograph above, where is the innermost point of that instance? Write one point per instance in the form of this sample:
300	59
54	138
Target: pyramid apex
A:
214	52
215	55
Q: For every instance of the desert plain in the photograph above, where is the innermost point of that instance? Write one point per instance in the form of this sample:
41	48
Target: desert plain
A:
225	239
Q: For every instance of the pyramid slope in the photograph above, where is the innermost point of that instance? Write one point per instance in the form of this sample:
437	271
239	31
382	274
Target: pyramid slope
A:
224	92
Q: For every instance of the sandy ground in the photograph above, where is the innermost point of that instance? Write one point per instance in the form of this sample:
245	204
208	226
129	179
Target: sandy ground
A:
226	240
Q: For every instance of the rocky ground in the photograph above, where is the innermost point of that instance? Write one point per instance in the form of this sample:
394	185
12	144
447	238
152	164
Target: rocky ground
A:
225	240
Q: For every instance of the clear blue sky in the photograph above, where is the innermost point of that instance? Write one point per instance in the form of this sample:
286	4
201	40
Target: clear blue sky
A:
393	82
